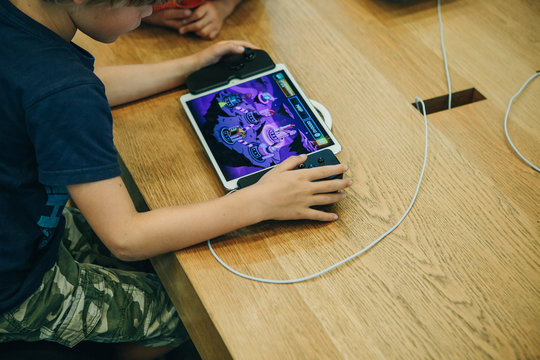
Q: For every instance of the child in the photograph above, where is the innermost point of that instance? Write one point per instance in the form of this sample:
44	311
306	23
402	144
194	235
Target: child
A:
60	277
203	18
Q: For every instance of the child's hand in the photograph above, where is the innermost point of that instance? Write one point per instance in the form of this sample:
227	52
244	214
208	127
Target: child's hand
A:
207	20
213	53
172	18
287	194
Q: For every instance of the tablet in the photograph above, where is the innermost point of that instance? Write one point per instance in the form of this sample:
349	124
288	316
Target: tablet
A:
255	123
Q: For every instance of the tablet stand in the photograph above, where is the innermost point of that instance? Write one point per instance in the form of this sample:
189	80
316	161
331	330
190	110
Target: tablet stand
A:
325	114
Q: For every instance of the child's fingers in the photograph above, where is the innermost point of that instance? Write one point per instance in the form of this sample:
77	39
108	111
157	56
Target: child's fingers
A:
172	23
290	163
313	214
212	34
196	15
208	34
328	186
210	31
170	18
245	44
233	46
325	199
322	172
229	47
237	45
178	14
194	26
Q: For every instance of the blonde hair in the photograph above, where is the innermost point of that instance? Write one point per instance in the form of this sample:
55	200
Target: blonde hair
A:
112	3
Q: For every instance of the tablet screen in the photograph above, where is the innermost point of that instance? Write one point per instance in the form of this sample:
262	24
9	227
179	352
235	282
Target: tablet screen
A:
257	124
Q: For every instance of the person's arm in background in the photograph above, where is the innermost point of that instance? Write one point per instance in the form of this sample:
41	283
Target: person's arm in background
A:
125	83
281	194
205	21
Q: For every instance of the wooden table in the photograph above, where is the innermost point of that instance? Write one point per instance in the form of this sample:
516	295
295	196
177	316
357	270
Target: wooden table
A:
458	279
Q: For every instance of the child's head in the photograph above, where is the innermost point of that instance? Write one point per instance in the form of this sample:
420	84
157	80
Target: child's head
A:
105	20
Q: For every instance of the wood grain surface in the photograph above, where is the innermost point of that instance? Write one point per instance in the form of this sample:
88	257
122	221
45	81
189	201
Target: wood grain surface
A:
459	279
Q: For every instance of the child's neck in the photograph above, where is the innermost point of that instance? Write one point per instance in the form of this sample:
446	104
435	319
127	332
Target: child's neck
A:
53	16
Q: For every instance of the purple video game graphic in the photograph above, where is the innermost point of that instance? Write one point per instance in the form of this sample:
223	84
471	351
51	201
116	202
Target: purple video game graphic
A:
257	124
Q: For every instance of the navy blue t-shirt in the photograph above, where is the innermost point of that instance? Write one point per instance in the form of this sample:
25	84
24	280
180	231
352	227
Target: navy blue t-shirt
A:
55	130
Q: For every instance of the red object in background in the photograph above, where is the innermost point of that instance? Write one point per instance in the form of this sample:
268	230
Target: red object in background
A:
182	4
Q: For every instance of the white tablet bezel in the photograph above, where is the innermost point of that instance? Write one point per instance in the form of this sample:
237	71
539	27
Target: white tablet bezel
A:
233	183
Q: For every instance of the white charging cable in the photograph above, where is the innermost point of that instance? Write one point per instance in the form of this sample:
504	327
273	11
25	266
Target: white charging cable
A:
506	122
444	55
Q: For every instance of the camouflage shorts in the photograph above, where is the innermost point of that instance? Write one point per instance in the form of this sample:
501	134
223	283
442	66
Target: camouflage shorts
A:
90	295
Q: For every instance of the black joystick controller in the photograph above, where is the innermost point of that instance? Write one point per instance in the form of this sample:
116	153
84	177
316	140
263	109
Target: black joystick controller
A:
237	62
239	66
320	158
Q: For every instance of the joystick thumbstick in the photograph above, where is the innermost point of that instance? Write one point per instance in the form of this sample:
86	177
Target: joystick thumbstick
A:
249	54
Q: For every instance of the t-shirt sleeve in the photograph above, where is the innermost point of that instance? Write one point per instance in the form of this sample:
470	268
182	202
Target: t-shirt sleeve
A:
71	130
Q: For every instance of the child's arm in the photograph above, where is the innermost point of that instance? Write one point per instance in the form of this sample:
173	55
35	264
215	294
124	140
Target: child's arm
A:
280	195
127	83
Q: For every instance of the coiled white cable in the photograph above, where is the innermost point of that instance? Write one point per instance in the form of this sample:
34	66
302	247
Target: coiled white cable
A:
305	278
506	122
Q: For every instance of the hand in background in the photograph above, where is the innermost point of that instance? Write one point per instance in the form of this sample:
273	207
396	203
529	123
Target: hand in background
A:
205	21
213	53
172	18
